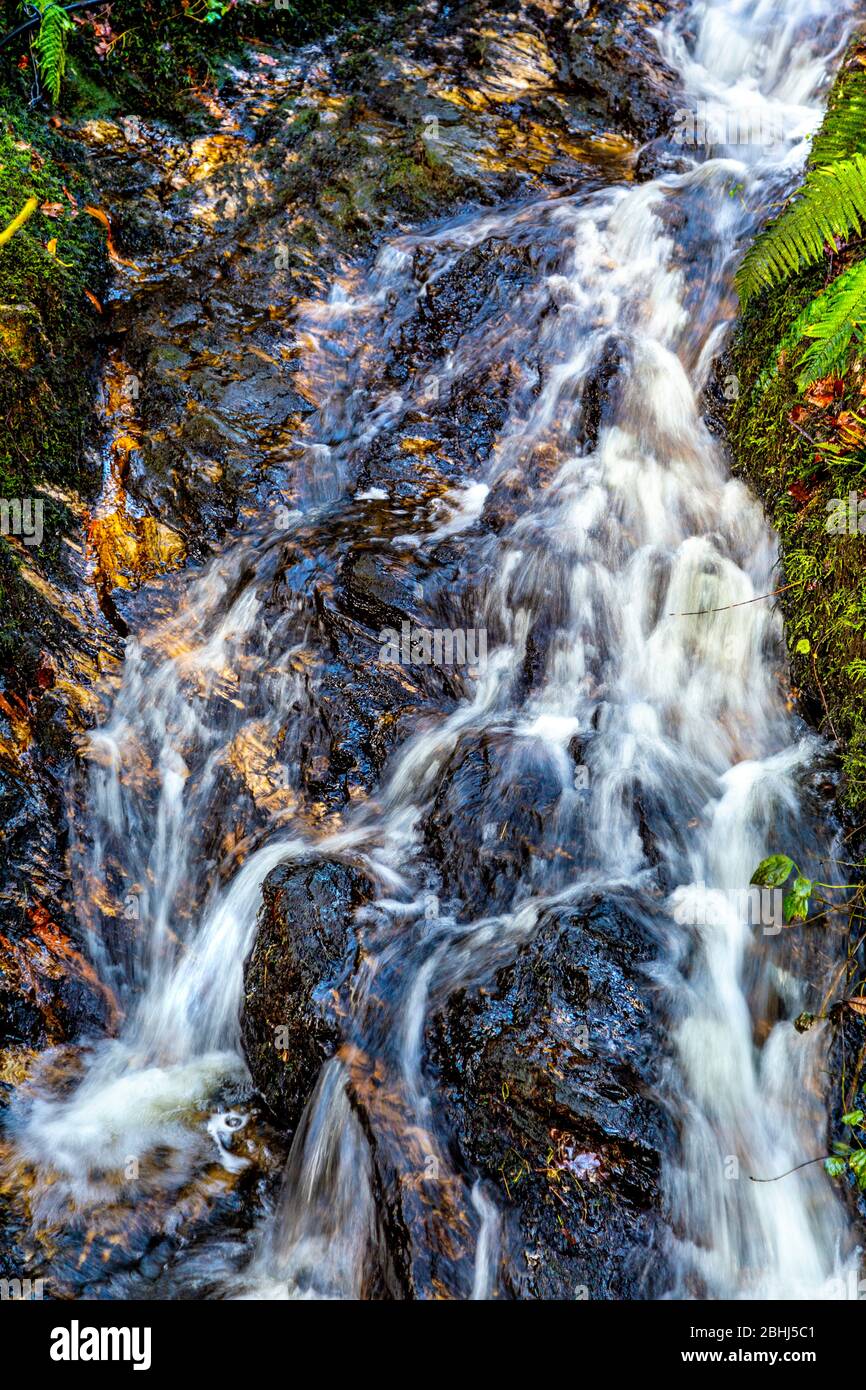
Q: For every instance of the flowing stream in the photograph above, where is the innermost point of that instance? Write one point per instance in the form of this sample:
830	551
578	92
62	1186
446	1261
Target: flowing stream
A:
638	556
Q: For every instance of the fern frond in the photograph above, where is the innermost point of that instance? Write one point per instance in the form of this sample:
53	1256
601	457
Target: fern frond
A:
831	321
843	129
49	45
832	204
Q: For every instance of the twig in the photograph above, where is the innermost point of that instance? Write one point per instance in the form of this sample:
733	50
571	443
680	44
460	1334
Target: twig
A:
823	700
699	612
819	1159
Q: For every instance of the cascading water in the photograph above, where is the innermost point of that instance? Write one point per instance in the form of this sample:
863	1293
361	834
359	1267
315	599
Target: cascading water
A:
644	559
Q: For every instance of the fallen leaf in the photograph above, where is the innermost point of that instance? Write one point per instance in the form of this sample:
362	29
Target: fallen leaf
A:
799	491
850	427
112	251
857	1006
824	392
94	301
52	209
51	248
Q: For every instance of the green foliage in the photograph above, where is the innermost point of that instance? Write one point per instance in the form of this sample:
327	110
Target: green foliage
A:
843	130
794	332
49	45
831	204
159	48
775	871
850	1156
831	321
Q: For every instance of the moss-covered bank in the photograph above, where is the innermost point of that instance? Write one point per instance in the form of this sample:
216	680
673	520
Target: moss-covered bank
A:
51	282
804	454
144	55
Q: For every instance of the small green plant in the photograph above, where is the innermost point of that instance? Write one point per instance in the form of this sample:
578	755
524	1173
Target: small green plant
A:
207	11
850	1156
49	45
774	872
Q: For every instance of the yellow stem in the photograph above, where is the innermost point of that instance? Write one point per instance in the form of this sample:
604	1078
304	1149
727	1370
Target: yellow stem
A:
27	211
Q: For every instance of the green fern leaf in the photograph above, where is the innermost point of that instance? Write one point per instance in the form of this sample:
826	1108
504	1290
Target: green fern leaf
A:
832	204
843	130
49	45
831	321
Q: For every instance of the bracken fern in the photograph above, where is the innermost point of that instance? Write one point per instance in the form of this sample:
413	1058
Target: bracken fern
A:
832	204
831	321
49	45
843	130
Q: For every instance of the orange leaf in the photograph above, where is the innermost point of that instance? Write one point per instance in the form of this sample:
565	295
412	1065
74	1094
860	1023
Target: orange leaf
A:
112	250
825	391
94	301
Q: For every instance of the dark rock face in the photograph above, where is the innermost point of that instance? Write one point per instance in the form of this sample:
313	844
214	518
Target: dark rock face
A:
546	1079
614	63
303	950
48	992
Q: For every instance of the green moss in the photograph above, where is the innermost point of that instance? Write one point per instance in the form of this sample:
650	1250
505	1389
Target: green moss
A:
47	327
357	171
154	49
826	605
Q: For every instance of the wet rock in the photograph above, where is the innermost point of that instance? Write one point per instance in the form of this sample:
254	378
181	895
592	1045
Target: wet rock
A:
481	283
614	64
546	1075
378	590
488	821
303	950
266	395
21	335
661	157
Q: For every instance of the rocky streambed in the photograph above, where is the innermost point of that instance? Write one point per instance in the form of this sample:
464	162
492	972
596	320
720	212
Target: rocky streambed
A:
331	964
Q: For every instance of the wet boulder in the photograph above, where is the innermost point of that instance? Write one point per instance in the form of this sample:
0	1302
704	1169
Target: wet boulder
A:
547	1075
483	282
614	64
303	951
487	829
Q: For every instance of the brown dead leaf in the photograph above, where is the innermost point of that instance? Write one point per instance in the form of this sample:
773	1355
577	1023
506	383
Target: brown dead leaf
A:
799	491
112	250
823	393
852	430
